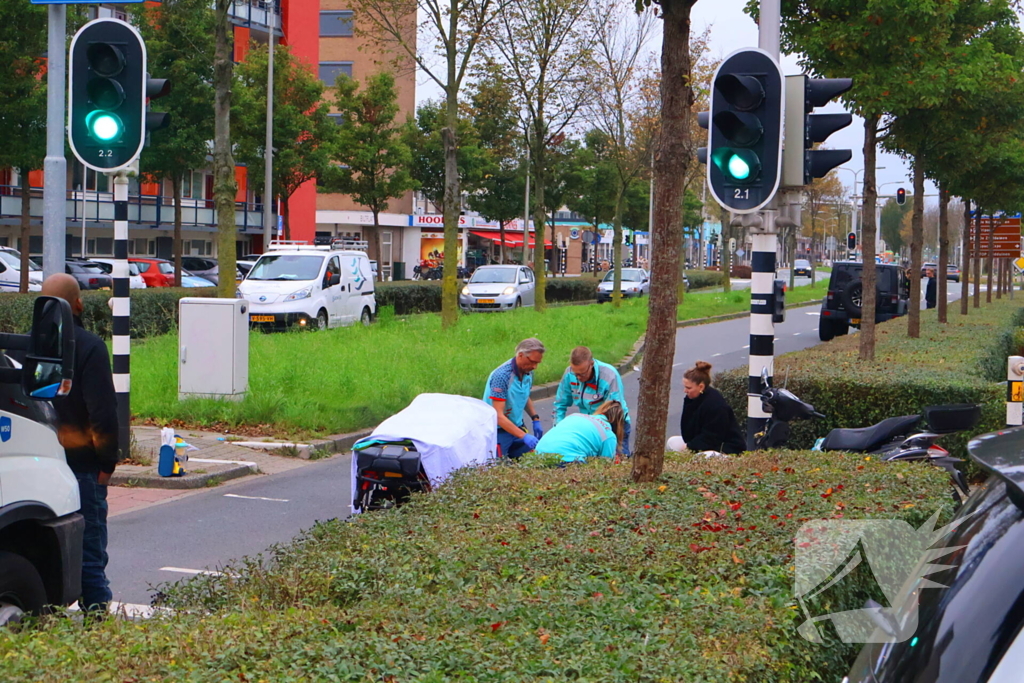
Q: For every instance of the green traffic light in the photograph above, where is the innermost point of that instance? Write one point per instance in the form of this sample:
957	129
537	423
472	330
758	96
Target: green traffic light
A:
738	168
104	126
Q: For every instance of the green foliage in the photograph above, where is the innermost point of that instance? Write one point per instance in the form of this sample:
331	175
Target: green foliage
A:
699	279
22	85
425	296
154	311
517	573
427	145
593	183
960	362
892	223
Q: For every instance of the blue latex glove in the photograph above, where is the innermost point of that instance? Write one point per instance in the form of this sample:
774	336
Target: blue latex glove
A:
530	440
538	431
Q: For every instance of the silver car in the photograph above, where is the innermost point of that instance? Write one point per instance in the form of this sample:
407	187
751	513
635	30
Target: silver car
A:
635	283
498	288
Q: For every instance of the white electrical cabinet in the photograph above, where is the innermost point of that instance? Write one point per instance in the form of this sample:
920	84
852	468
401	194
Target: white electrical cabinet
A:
213	348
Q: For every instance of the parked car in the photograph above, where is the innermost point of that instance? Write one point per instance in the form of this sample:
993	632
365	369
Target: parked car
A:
158	272
636	282
203	267
135	280
801	268
89	275
952	272
10	272
841	307
310	286
958	616
498	288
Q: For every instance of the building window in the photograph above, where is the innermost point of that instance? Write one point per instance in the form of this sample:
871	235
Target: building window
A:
336	23
329	72
104	246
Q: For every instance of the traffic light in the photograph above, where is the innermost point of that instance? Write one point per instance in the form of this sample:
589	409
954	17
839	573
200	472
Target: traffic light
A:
744	154
901	196
107	89
778	301
851	241
802	163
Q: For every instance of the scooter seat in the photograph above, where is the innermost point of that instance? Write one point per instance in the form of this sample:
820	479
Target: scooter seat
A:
869	438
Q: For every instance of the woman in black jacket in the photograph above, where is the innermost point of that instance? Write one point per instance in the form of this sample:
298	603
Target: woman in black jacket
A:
708	422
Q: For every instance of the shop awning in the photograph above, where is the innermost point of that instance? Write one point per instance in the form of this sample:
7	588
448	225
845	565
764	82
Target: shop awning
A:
511	238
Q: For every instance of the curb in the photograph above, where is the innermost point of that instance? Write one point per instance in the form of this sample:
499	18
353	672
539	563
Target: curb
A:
151	480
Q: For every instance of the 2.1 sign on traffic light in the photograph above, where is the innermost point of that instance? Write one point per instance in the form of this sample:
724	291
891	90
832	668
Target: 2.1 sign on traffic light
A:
107	90
744	154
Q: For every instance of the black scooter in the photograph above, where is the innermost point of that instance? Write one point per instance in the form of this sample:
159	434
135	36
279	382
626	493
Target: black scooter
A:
892	439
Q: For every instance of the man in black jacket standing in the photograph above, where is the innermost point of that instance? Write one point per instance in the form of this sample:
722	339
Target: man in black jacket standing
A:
929	292
87	428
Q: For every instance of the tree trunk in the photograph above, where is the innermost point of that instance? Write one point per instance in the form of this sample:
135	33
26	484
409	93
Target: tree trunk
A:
286	216
670	166
225	187
539	216
916	244
989	261
867	239
941	291
26	226
451	209
620	197
1000	278
965	270
977	256
376	246
501	245
176	193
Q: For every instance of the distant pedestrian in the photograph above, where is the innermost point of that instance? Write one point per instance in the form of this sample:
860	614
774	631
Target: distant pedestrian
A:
929	292
708	422
508	390
587	384
87	429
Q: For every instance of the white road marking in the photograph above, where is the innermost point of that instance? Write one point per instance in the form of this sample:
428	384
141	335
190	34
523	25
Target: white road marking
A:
715	355
198	572
796	334
747	346
272	500
817	313
247	463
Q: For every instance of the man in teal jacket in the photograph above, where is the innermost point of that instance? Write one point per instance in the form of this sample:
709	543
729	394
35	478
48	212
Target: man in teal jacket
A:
586	384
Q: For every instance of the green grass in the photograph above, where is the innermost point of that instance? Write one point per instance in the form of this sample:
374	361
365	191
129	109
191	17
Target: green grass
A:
708	304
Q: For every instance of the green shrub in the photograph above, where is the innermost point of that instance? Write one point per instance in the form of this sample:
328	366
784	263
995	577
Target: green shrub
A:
699	279
424	296
154	310
519	573
960	362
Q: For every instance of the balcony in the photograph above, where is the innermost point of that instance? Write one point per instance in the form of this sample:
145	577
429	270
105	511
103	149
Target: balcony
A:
257	13
144	211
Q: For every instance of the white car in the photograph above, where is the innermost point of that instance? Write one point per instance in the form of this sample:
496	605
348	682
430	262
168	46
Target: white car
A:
135	280
498	288
10	272
635	283
310	286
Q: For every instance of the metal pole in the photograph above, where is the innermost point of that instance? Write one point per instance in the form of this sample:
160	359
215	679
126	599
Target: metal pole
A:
122	314
55	168
769	27
268	153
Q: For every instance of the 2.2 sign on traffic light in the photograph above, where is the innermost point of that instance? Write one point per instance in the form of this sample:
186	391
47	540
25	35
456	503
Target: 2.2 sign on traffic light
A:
108	87
744	154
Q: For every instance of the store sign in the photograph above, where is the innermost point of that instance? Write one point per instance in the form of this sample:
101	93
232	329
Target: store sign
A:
574	233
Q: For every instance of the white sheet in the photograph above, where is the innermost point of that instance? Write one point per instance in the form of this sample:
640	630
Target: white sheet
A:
450	432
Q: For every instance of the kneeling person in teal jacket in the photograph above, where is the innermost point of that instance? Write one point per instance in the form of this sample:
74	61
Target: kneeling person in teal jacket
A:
587	384
580	436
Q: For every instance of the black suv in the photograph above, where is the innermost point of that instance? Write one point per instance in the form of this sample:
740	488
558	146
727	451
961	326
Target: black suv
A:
841	307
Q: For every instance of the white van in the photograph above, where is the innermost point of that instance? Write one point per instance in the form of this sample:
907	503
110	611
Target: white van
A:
10	272
295	283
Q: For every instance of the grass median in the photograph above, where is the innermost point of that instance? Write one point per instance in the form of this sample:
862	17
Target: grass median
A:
312	384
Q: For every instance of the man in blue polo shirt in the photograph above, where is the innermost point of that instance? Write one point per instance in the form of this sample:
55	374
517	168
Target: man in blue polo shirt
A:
508	390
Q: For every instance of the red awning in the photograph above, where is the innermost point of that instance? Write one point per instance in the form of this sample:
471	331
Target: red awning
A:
511	239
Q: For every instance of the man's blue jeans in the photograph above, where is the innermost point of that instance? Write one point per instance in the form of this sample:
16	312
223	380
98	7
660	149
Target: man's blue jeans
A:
511	447
95	587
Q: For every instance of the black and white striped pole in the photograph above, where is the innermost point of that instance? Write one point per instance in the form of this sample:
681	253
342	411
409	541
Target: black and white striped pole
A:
762	327
122	308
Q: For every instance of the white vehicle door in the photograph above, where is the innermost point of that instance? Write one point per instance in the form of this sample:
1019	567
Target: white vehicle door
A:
359	272
334	294
10	279
527	286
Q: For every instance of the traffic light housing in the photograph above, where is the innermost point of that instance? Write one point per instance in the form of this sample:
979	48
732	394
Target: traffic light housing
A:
744	153
778	301
802	162
851	241
901	196
107	89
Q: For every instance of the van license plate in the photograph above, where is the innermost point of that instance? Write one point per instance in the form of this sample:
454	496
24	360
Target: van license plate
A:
261	318
855	321
485	301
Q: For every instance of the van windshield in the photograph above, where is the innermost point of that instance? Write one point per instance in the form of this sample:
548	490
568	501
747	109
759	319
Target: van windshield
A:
494	275
14	261
286	267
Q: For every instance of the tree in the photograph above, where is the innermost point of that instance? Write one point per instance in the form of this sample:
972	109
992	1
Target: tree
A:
616	107
179	38
224	184
892	223
303	131
674	155
426	142
819	197
23	104
546	45
370	147
592	190
457	28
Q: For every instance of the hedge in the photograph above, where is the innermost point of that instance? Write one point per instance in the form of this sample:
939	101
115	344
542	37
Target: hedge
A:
960	362
519	573
424	296
154	310
699	279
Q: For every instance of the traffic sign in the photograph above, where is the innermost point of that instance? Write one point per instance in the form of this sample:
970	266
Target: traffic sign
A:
1019	264
1005	241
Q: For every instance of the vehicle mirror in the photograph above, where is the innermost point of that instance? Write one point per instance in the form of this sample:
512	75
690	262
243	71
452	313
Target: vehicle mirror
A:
334	280
50	360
